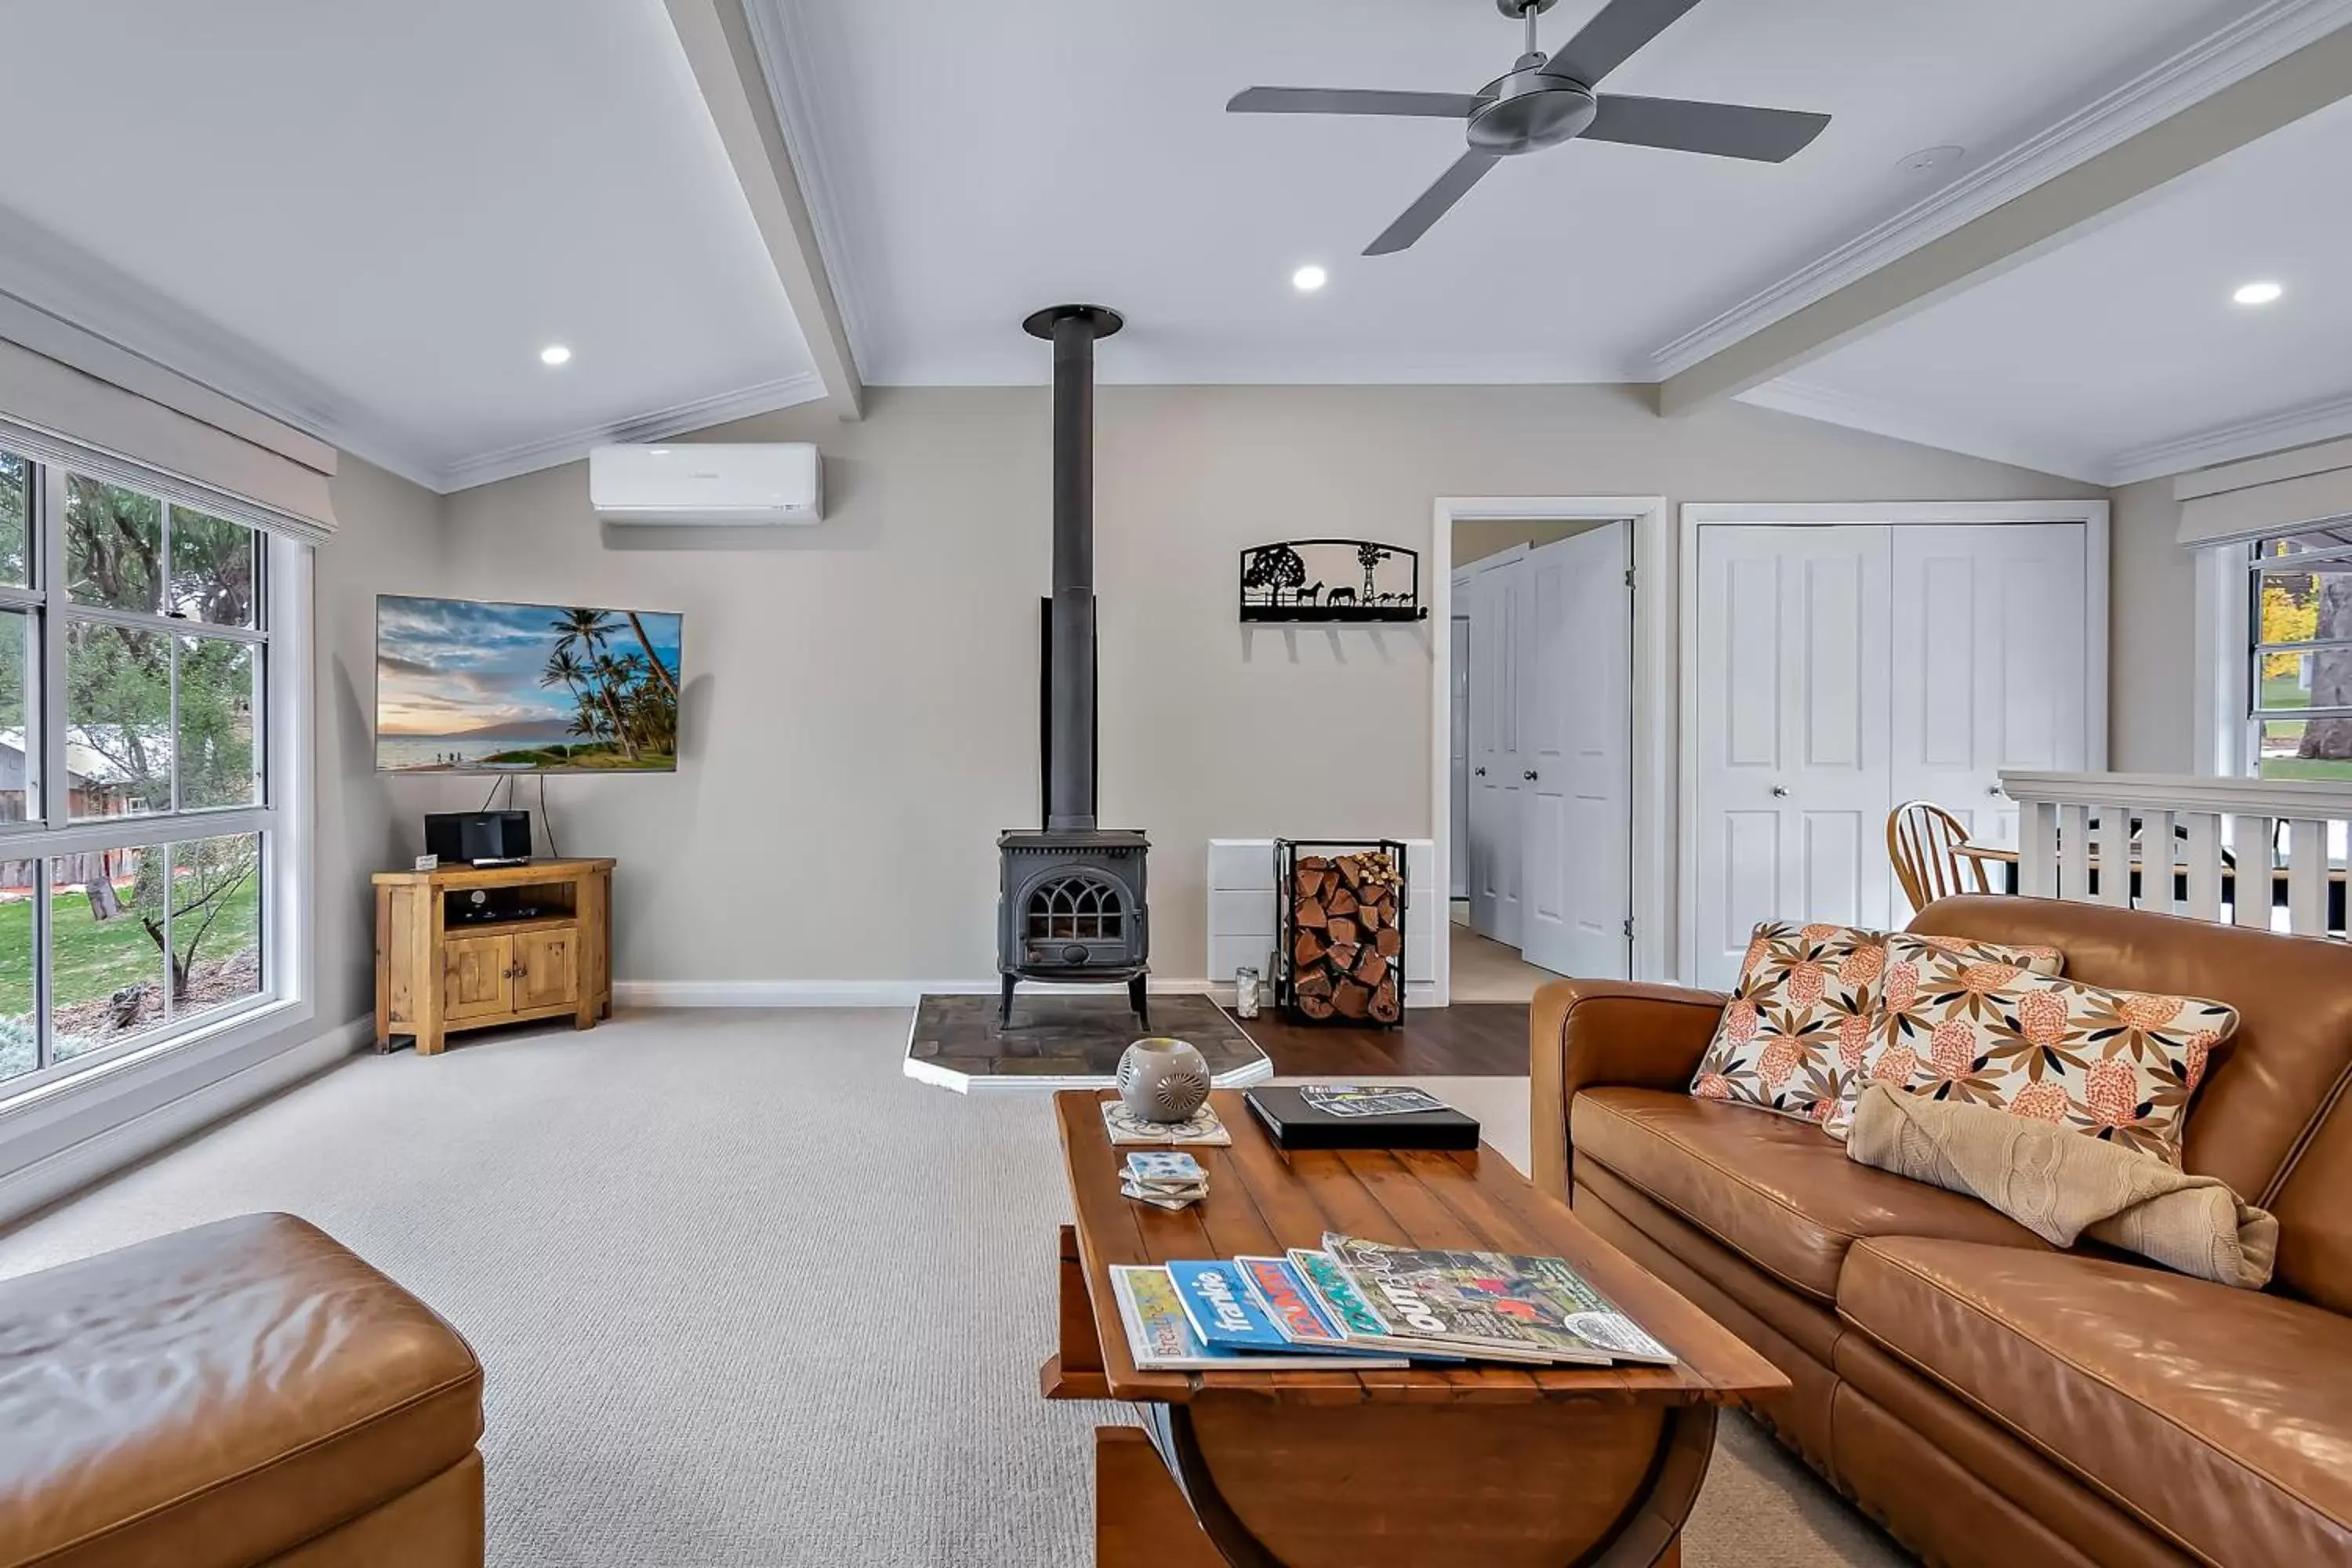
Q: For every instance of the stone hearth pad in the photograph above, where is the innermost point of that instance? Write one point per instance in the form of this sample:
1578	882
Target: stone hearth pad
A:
1065	1040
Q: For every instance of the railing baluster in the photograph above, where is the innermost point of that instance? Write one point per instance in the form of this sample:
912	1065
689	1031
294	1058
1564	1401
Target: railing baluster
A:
2306	877
2114	856
2158	886
2074	852
2037	849
2204	854
2253	887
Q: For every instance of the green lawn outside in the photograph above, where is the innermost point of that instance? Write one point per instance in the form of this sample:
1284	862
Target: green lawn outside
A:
95	959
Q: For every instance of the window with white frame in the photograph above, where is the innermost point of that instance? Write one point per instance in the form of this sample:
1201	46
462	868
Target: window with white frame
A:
2299	676
136	826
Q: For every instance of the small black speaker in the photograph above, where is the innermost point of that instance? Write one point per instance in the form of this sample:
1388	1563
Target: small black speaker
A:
474	836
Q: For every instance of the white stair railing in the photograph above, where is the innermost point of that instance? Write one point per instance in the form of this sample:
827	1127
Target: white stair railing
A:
2214	848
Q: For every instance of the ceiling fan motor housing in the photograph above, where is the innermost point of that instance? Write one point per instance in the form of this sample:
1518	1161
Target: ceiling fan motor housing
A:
1529	108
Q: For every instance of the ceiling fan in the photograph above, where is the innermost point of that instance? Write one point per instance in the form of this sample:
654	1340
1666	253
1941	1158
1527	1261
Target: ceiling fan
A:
1545	100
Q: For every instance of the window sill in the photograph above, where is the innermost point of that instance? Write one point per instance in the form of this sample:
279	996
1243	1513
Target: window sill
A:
246	1025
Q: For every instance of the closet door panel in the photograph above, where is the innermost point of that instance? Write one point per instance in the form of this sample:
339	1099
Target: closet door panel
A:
1792	689
1989	661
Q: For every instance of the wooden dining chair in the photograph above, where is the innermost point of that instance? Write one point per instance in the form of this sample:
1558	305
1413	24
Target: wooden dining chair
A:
1923	841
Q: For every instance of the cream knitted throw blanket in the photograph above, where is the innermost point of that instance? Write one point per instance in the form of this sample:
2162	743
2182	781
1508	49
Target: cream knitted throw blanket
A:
2061	1184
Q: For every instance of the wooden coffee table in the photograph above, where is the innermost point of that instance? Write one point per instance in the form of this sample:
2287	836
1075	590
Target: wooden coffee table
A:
1498	1465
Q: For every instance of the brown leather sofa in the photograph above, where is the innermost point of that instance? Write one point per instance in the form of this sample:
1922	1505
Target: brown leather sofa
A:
245	1391
1993	1402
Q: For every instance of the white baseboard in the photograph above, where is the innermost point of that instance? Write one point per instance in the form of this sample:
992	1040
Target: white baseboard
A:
45	1180
900	992
848	993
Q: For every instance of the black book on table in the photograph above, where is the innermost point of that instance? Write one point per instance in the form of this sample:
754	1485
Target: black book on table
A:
1295	1125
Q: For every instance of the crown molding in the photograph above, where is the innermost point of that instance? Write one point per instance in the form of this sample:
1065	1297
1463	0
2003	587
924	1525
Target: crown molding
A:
2289	427
779	38
1810	402
700	414
2265	35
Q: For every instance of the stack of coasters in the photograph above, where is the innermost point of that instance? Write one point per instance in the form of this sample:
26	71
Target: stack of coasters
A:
1167	1179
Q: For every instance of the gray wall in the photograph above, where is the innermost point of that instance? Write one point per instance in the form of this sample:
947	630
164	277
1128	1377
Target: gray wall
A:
860	699
2152	636
390	540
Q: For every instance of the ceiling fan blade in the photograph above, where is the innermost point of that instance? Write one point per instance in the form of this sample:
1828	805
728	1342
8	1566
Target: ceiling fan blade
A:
1435	203
1610	38
1688	125
1350	100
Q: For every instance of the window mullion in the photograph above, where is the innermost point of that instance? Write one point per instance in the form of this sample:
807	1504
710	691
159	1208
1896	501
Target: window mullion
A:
56	776
45	1045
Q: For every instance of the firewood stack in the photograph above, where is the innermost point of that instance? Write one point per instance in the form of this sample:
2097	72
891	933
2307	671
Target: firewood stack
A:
1346	939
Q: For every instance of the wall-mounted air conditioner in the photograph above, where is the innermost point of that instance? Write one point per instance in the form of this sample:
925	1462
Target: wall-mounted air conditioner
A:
695	482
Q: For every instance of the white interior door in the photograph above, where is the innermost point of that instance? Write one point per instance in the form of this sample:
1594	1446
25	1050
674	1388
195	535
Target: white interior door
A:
1459	752
1793	686
1989	661
1577	756
1494	780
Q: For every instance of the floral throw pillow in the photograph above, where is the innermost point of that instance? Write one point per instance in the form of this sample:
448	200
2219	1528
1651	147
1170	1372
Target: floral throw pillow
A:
2118	1065
1803	1011
1802	1026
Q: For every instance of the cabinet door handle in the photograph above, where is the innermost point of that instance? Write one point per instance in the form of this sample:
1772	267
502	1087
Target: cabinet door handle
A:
1529	775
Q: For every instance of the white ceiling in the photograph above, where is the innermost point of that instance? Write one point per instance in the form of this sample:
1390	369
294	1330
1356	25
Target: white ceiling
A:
2121	354
370	217
367	218
972	163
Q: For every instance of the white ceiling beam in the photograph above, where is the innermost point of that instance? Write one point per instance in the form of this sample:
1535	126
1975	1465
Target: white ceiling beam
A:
726	61
2313	77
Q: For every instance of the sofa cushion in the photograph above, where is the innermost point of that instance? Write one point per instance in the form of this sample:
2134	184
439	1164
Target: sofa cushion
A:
217	1396
1806	1016
2116	1065
2221	1418
1780	1193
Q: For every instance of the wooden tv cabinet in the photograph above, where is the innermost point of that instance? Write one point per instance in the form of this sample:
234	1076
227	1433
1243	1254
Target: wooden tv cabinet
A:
436	973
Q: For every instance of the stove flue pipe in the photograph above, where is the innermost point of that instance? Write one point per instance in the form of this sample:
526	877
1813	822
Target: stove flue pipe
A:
1070	760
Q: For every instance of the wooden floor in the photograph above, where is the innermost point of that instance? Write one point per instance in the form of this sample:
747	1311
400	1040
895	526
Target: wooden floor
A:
1469	1039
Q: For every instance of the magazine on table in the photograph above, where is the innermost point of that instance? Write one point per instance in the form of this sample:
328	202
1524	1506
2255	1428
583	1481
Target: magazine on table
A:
1492	1304
1286	1299
1160	1335
1346	1307
1353	1099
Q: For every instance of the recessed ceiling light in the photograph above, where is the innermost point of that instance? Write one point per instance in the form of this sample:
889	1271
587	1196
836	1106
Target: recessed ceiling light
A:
554	354
1309	278
2257	294
1930	158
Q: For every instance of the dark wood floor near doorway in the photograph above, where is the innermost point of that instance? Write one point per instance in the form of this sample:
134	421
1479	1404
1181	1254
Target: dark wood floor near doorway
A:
1470	1040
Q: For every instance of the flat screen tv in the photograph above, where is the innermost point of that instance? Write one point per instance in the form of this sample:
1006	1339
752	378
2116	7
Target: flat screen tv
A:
465	686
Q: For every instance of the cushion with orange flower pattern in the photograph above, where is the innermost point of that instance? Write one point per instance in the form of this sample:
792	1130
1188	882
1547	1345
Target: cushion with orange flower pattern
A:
1802	1025
2118	1065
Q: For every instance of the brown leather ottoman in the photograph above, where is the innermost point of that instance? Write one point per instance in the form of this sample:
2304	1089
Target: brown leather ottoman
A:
245	1391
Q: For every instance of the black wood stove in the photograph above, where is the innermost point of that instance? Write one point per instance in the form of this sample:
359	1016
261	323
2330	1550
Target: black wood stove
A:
1070	906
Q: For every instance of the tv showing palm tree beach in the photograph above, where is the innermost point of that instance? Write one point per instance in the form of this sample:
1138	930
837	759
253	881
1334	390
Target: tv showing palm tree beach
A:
465	685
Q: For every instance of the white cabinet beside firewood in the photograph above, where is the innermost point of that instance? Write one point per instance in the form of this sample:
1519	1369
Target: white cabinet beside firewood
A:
1241	913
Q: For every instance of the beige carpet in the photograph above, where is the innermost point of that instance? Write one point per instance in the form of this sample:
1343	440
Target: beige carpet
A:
747	1296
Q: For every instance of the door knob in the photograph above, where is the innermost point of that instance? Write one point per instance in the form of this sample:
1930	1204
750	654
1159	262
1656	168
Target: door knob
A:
1780	792
1480	771
1994	792
1530	776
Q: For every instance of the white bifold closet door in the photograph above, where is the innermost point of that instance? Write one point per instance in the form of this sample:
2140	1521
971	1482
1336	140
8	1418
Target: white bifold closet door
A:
1840	669
1576	756
1989	673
